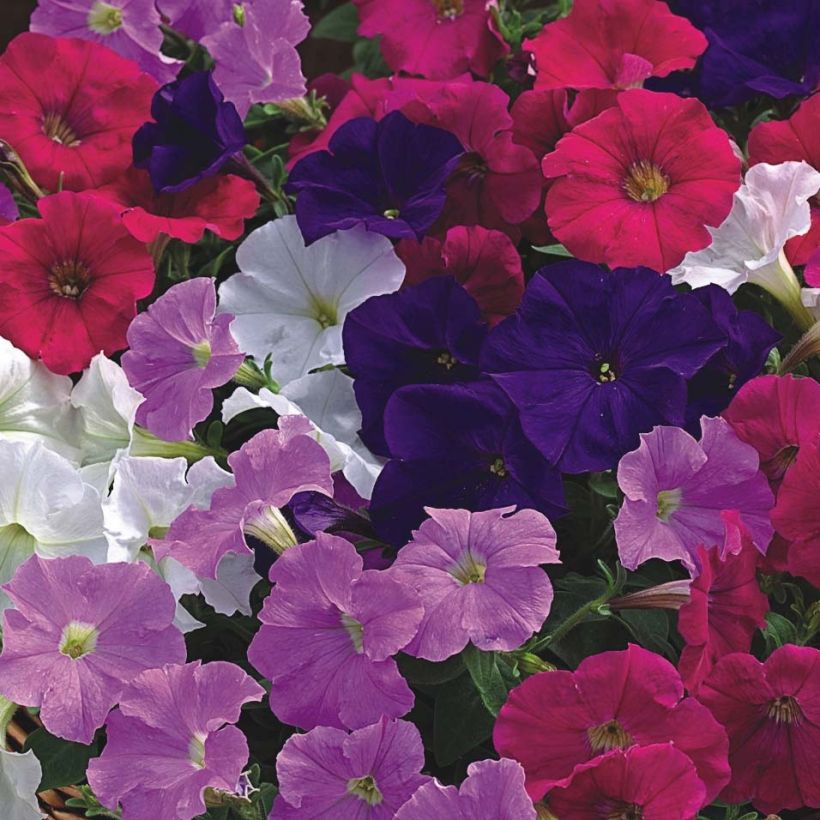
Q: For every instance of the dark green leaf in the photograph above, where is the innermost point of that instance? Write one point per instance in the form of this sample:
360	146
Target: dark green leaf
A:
340	25
461	720
778	631
489	682
418	672
554	250
64	763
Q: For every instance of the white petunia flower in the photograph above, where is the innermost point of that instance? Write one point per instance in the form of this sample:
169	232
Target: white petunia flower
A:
328	400
290	301
20	776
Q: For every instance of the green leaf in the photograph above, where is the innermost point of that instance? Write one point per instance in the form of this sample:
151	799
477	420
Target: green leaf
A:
778	631
460	722
604	484
418	672
554	250
484	670
340	25
64	763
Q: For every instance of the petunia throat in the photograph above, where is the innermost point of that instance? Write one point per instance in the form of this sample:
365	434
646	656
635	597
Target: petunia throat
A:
448	9
78	639
69	278
785	709
366	789
57	128
668	502
645	181
608	736
103	18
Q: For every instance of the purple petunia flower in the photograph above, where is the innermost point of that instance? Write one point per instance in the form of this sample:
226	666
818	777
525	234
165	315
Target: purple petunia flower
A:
9	212
682	494
129	27
329	631
388	175
457	447
493	790
194	134
426	334
365	775
168	741
196	18
79	634
269	470
479	578
180	351
592	359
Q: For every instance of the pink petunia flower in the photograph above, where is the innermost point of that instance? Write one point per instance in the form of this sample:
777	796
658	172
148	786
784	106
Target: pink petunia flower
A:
329	633
439	39
479	578
613	44
555	721
639	183
678	489
771	712
79	634
169	741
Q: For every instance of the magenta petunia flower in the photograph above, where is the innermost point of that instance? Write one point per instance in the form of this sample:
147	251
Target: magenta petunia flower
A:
555	721
479	578
365	775
79	634
771	712
329	631
676	489
656	782
268	470
797	513
180	351
168	741
493	790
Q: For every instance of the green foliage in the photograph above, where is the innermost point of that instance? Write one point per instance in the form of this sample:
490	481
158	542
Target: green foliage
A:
64	763
340	25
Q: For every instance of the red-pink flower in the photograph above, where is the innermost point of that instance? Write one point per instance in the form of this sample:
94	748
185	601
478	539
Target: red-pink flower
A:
485	262
219	203
439	39
771	712
70	108
793	139
614	44
555	721
639	183
656	782
70	281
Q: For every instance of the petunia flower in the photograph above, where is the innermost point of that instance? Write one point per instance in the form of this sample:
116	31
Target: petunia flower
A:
653	782
485	262
78	634
365	775
180	350
640	183
196	18
677	488
290	300
194	133
71	125
329	633
555	721
613	45
20	776
592	359
769	208
440	39
770	712
480	579
129	27
492	790
457	447
797	514
71	281
430	333
169	740
9	212
388	176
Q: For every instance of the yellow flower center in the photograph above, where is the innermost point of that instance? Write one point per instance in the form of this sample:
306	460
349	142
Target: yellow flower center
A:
668	502
448	9
469	569
355	630
59	130
196	751
785	709
78	639
201	353
69	279
104	18
365	788
608	736
645	182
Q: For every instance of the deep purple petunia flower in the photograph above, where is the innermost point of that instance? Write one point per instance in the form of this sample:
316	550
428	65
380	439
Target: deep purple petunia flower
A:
180	351
457	446
388	176
196	132
591	359
79	634
749	340
329	633
168	741
9	212
365	775
426	334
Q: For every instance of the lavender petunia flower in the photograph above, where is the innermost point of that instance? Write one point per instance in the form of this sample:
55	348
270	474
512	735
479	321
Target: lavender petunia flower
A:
168	741
196	18
592	359
388	175
682	494
493	790
194	134
329	631
479	578
78	634
129	27
180	351
366	775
